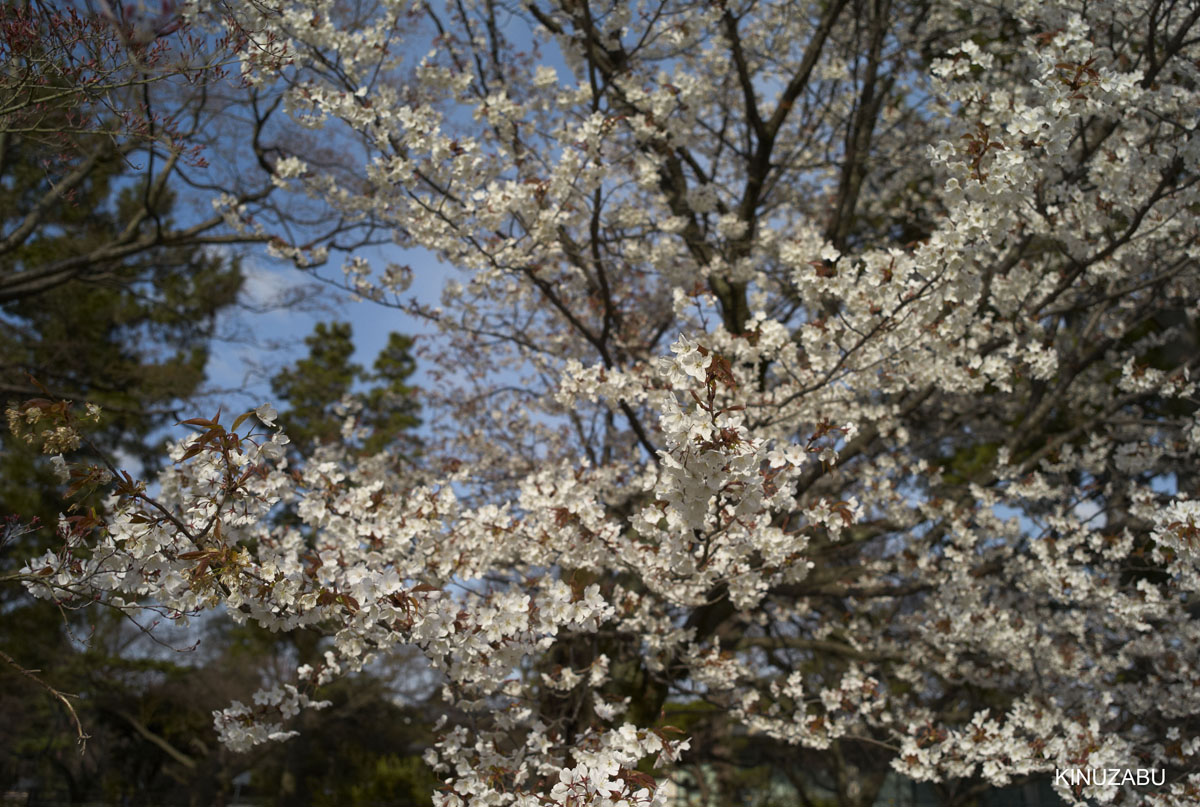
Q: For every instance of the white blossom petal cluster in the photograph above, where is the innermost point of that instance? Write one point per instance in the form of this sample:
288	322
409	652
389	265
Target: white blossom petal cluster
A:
822	369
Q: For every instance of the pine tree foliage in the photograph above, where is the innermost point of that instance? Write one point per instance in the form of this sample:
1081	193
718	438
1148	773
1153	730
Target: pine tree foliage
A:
325	388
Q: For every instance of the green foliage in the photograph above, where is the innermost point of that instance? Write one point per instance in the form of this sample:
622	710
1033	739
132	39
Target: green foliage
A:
315	387
394	780
315	383
363	749
969	461
131	330
149	714
134	339
94	308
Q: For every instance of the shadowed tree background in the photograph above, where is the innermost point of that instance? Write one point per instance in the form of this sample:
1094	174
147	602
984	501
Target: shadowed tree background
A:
109	294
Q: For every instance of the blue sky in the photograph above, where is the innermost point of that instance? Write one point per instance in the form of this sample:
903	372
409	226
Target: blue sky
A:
249	367
276	334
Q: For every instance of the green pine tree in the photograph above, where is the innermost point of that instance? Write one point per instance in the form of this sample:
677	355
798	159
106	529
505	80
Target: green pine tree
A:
131	333
316	385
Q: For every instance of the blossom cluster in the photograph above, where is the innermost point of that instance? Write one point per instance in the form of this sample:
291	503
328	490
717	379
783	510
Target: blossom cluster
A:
884	447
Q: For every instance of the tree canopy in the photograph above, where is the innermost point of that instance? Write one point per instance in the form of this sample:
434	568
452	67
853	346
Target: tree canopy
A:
320	386
111	290
817	371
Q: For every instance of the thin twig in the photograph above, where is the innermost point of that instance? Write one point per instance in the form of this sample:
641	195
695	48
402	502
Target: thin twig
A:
82	737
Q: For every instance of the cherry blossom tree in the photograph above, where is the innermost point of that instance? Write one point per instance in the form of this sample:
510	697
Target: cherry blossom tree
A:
92	93
825	364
